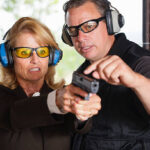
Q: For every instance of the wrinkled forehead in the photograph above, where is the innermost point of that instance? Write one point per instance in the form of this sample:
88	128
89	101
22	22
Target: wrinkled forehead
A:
78	15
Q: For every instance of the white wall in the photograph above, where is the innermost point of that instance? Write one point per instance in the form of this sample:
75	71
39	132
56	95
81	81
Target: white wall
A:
132	12
130	9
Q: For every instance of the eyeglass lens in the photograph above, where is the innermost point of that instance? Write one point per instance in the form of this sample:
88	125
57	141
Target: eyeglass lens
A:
85	27
25	52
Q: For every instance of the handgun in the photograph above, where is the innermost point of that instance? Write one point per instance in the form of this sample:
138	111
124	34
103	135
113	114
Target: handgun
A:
86	83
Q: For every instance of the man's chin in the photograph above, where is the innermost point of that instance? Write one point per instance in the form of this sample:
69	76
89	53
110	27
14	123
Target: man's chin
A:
89	57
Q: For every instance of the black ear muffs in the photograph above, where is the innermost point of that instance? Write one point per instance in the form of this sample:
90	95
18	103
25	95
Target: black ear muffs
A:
6	58
114	21
66	37
55	56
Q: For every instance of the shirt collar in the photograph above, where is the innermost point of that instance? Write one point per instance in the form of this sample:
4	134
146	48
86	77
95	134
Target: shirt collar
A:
20	92
120	45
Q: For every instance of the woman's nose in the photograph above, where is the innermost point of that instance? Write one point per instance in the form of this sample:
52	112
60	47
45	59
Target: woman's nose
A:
34	58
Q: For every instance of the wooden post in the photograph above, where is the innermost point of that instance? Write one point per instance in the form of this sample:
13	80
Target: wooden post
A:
146	24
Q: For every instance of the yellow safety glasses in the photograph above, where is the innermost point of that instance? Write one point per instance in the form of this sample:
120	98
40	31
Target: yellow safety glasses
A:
25	52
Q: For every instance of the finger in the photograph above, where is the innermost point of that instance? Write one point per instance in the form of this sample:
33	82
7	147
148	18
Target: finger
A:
109	69
67	105
87	114
78	91
119	77
96	75
67	109
83	113
94	112
105	67
82	118
71	92
93	98
88	106
67	94
67	102
85	110
115	77
93	66
80	109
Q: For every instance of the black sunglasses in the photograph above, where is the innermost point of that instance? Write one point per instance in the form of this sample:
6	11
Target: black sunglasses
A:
85	27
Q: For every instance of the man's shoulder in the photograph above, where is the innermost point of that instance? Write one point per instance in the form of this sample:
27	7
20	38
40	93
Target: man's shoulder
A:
142	65
130	51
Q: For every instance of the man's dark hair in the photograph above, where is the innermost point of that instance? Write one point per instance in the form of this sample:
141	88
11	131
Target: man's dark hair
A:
102	5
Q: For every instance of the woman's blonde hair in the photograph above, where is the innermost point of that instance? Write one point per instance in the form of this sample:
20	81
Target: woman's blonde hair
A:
43	36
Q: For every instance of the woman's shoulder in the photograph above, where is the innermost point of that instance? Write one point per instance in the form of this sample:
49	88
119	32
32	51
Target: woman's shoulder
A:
5	91
4	88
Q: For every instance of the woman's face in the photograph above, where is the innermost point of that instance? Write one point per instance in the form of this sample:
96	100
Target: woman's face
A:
33	68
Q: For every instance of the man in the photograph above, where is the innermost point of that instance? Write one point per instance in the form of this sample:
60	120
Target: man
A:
123	70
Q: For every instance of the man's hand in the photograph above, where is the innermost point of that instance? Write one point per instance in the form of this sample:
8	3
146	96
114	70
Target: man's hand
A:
113	70
68	101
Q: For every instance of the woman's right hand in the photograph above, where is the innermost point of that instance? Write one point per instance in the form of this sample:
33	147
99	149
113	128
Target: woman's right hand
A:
68	101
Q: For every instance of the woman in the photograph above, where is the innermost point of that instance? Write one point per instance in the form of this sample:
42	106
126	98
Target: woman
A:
26	122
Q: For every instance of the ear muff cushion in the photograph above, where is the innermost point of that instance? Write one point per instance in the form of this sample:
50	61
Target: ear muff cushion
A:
121	20
3	55
9	55
109	22
51	55
114	21
65	36
55	56
6	55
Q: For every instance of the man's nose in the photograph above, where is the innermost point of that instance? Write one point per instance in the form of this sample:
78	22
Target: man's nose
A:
81	35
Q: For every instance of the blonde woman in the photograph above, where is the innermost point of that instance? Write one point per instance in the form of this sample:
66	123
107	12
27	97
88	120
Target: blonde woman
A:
28	119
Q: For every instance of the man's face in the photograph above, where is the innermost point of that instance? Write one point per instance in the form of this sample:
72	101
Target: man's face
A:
92	45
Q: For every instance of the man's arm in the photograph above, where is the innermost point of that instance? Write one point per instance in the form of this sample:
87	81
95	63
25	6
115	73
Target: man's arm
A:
115	71
142	82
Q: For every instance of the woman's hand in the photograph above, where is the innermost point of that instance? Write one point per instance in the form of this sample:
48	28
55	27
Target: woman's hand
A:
69	99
